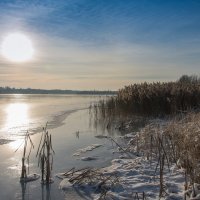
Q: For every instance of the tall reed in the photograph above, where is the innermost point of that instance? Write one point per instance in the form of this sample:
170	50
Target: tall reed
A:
155	99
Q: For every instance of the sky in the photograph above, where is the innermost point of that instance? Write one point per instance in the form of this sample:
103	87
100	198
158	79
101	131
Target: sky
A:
101	44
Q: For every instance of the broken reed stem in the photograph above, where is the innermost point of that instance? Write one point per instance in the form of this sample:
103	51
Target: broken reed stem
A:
121	147
25	158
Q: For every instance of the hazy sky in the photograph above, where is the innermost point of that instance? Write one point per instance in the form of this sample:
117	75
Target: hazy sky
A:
101	44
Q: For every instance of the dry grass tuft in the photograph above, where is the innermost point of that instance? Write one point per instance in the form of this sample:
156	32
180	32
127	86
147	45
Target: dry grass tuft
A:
174	141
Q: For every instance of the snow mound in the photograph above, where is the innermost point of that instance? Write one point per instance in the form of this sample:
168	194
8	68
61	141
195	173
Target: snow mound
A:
29	178
88	148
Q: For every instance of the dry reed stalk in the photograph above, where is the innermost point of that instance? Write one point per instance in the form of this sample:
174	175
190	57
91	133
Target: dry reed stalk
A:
25	157
45	156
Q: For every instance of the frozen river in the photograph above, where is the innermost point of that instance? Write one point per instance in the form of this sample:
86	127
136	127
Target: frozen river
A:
66	114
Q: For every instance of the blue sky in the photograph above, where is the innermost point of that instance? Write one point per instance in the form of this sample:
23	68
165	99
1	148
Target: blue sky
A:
102	44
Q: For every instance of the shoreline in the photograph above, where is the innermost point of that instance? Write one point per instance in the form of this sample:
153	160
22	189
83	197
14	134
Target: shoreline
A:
139	176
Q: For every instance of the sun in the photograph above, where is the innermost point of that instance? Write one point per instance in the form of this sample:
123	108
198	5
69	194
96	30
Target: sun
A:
17	47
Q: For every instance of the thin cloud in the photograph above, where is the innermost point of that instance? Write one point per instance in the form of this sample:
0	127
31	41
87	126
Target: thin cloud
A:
80	43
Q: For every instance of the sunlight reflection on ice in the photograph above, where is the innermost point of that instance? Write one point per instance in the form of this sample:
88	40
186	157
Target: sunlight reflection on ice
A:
17	115
16	145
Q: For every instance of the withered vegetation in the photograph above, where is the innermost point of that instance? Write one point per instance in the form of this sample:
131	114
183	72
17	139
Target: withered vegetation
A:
155	99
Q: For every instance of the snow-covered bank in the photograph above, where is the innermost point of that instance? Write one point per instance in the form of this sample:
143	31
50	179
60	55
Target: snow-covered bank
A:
125	179
160	165
137	176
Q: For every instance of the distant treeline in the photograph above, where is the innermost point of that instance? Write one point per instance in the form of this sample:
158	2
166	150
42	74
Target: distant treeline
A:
8	90
154	98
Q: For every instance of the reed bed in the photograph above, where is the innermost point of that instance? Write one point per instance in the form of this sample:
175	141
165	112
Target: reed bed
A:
154	99
173	140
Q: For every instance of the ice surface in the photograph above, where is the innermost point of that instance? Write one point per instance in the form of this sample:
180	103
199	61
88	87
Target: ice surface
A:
89	158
